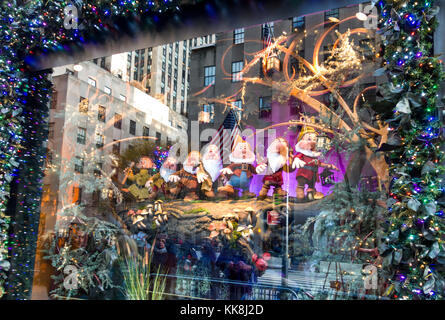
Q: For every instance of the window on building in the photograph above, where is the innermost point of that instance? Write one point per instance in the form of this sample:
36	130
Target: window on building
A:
91	82
298	23
95	196
209	75
132	127
101	113
238	36
78	164
83	105
77	195
238	107
116	147
51	130
366	50
118	121
107	90
81	135
97	170
122	97
265	107
208	113
102	62
158	138
49	158
334	13
53	104
146	131
237	74
100	139
327	51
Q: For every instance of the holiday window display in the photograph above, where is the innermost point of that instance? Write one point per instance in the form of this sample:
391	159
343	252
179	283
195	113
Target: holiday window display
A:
419	21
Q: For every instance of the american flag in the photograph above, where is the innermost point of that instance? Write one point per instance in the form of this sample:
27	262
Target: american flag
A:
226	135
267	34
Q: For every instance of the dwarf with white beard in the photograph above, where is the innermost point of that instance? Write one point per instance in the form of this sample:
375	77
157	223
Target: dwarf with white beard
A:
241	169
160	181
189	177
211	166
277	162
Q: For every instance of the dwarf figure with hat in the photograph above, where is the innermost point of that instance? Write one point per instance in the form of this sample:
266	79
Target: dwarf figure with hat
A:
189	178
159	183
277	162
241	169
307	163
211	165
137	189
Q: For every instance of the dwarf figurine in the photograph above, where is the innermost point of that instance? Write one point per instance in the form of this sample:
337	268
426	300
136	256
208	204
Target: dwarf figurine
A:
307	163
241	169
211	165
139	179
277	162
189	177
160	181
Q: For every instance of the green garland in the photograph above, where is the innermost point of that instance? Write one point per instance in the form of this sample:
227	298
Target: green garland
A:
413	250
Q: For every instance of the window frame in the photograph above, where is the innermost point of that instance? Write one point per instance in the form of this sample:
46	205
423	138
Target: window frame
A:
117	123
91	81
79	164
237	75
238	36
209	74
81	137
132	129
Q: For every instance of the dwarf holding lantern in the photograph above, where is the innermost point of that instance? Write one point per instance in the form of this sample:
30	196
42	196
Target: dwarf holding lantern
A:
307	163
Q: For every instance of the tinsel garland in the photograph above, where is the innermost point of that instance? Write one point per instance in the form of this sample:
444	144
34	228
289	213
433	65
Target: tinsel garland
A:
413	249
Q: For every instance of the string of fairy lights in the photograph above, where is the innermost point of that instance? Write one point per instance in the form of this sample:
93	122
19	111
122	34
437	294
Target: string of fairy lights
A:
27	28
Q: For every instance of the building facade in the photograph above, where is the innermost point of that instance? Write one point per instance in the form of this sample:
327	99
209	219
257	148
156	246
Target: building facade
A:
95	116
162	72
